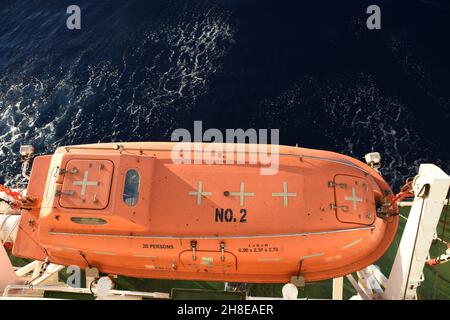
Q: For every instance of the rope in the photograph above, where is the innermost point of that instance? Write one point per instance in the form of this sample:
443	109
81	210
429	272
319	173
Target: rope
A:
17	196
406	191
10	203
85	259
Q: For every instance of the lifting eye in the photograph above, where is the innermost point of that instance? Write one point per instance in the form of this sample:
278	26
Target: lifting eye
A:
131	188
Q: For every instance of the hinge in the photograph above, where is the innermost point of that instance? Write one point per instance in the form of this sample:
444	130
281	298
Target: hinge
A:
334	207
72	171
194	248
65	193
332	184
222	251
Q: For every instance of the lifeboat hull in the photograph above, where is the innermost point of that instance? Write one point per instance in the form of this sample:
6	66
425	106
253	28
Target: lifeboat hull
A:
128	209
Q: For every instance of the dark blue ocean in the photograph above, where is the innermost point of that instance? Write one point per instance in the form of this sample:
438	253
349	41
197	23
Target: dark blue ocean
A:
139	69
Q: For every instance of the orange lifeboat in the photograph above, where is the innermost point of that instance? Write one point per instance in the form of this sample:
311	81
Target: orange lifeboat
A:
128	209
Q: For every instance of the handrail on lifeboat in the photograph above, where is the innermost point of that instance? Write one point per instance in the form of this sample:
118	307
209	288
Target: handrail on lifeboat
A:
122	148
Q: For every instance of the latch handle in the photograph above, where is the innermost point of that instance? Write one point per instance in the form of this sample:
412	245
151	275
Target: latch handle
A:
222	251
194	248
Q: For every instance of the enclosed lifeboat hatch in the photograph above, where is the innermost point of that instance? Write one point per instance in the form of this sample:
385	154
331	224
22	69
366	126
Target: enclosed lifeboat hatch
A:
354	198
86	184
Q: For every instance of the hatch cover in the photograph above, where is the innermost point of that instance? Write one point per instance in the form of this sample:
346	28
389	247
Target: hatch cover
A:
86	184
354	198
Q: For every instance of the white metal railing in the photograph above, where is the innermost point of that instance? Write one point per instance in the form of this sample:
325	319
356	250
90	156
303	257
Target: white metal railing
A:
23	290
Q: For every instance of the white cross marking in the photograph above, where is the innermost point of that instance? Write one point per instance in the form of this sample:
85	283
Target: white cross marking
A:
84	183
199	193
285	194
242	194
354	199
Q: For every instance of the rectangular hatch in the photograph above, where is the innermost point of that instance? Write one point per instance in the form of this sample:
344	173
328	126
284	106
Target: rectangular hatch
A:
355	202
86	184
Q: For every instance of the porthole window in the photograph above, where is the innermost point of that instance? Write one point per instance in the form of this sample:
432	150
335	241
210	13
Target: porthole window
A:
131	188
91	221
